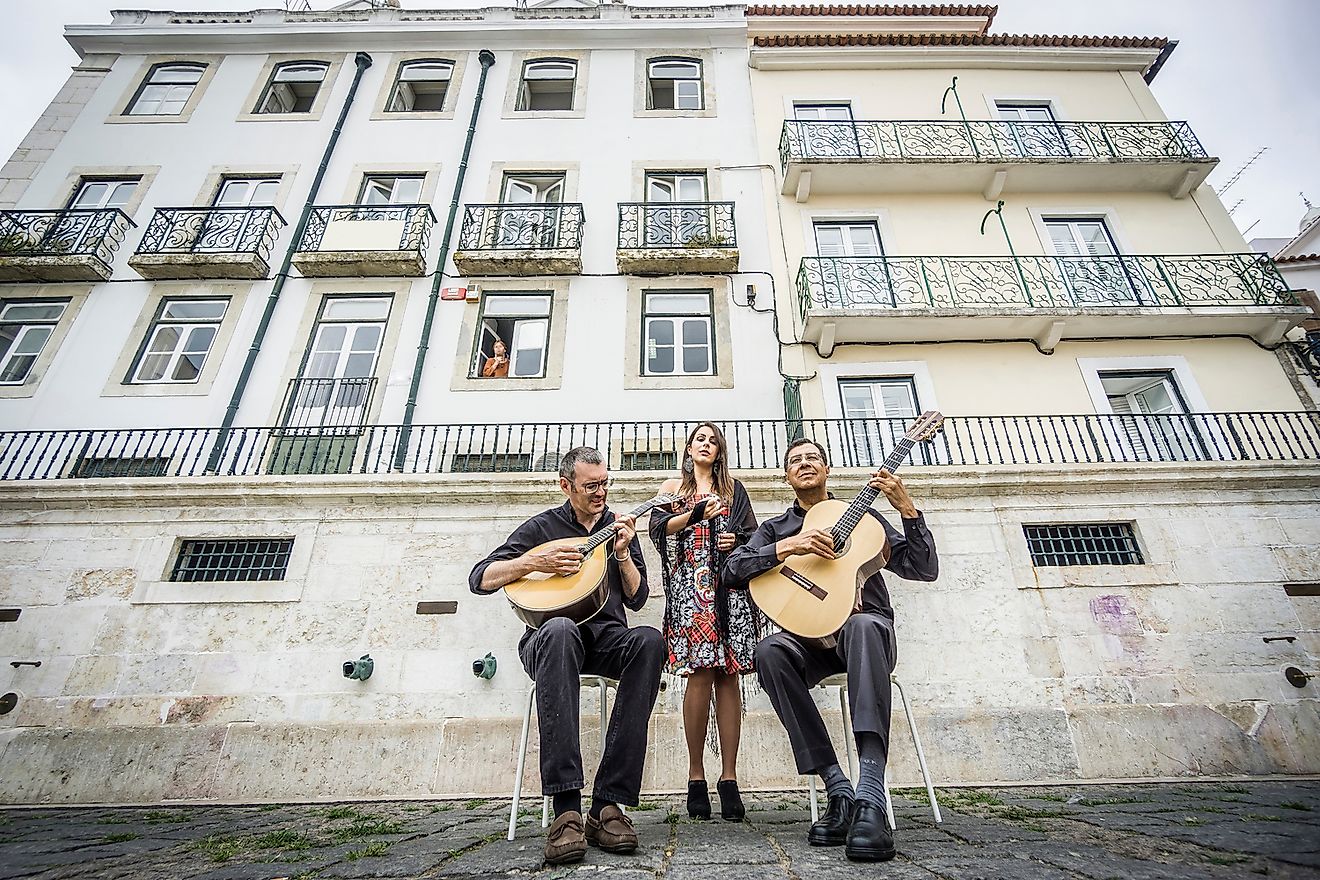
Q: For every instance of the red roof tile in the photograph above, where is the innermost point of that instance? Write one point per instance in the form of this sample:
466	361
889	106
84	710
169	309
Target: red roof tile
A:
887	9
1033	40
1298	258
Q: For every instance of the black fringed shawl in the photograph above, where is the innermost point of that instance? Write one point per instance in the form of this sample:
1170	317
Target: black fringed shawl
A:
740	520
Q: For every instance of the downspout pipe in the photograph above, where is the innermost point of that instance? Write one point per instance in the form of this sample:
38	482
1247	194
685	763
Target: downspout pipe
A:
487	59
363	61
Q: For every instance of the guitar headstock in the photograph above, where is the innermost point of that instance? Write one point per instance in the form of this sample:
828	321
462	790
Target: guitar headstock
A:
665	498
926	426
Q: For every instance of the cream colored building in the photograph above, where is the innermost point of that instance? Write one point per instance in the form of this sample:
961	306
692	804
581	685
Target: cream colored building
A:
1125	495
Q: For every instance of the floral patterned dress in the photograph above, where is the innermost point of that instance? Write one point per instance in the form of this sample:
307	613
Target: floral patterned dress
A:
691	627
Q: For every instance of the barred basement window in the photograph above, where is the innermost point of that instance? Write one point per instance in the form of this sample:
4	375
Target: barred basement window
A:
491	463
114	466
1083	544
233	559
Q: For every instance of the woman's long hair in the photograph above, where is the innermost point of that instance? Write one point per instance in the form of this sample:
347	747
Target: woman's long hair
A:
720	480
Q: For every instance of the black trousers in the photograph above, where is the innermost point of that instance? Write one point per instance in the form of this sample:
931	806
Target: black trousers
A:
554	656
788	669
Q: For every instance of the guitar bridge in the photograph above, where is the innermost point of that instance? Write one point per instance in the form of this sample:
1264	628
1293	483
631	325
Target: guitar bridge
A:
803	582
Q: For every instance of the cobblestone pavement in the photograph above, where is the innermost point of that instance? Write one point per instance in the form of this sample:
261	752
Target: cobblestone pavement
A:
1129	832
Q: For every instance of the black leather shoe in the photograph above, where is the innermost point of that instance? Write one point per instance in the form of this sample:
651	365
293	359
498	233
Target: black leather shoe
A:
832	829
698	799
869	840
731	805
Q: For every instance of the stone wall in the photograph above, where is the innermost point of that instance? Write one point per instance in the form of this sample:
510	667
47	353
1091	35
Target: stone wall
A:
149	690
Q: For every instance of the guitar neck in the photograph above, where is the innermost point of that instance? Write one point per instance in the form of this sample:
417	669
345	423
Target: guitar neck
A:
853	515
604	535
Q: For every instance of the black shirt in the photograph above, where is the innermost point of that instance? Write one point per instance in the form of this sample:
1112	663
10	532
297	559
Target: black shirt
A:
561	522
912	558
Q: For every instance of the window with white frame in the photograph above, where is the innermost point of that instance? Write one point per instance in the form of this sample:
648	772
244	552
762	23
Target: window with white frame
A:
393	189
1151	416
335	385
25	327
421	86
878	412
1090	265
673	84
293	87
106	192
823	112
520	222
1024	111
674	227
166	90
547	84
677	330
179	340
520	324
244	192
839	238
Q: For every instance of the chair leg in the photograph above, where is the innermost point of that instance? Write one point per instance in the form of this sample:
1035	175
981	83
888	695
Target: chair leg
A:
545	812
522	762
604	723
921	754
815	810
889	803
849	746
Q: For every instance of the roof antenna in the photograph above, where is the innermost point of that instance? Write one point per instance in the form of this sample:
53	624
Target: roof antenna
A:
1237	175
297	6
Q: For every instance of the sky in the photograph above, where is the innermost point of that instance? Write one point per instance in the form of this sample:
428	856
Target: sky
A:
1246	75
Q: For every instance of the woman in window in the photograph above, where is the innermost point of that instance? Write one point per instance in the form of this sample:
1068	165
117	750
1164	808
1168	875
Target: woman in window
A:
497	365
711	630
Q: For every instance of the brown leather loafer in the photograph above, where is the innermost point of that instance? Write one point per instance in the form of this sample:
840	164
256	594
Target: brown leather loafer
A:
612	832
564	842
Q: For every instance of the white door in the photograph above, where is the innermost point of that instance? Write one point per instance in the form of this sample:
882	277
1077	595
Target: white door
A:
530	226
1152	423
878	413
1090	267
674	226
1034	131
335	384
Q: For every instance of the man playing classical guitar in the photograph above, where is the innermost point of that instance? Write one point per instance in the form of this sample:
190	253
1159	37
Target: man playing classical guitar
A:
866	649
560	650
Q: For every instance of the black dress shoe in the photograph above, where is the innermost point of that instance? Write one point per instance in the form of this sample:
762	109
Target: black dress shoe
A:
731	805
698	799
869	840
832	829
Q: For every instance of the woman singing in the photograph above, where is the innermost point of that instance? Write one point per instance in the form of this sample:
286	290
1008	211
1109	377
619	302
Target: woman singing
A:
711	631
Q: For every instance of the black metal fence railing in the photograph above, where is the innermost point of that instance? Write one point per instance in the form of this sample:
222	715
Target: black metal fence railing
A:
344	228
986	140
521	227
327	405
1306	354
251	230
990	441
1122	280
677	225
75	232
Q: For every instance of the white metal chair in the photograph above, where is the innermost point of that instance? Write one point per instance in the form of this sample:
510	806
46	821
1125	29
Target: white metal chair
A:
841	682
599	681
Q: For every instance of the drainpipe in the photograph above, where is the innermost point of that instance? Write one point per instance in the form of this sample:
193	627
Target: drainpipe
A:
363	61
487	59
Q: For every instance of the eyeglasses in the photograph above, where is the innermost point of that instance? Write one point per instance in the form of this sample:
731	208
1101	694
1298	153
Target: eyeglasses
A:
593	487
810	457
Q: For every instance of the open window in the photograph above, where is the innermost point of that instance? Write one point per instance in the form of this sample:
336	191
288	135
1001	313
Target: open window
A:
293	87
421	86
547	84
673	84
518	324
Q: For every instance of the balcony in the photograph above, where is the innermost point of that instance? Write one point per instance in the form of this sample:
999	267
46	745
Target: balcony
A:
322	422
520	239
989	156
373	240
208	243
1042	298
990	441
73	245
671	238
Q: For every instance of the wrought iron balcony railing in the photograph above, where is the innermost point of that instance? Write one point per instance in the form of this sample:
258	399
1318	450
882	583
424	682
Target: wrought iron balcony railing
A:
1306	354
942	140
1041	282
991	441
521	227
212	230
93	233
319	406
676	225
413	224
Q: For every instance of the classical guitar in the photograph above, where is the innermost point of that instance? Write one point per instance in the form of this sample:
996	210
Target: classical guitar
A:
539	596
813	597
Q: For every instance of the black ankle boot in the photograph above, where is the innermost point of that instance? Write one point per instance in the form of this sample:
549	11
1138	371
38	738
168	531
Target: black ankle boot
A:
698	799
731	805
